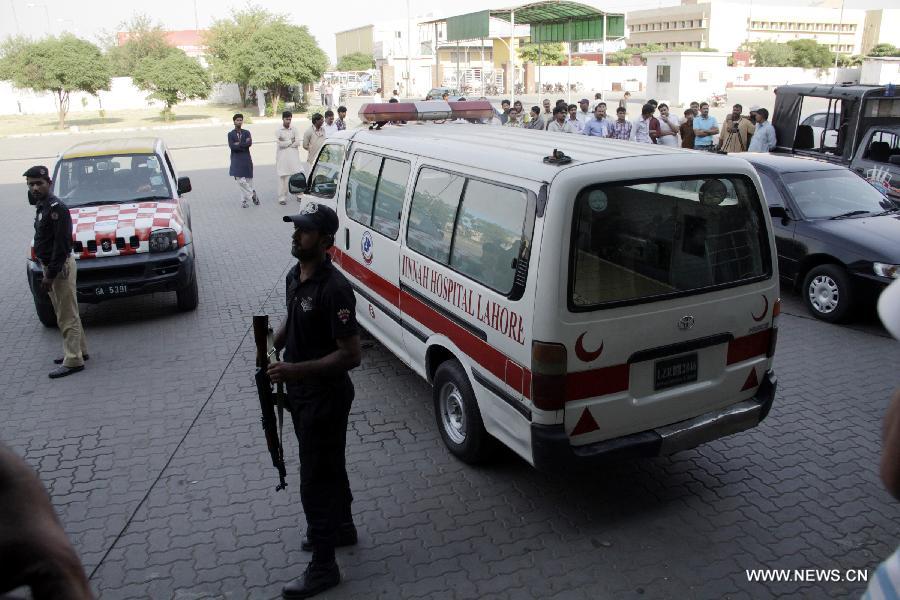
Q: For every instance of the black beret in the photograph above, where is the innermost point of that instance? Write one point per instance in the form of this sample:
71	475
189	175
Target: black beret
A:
37	172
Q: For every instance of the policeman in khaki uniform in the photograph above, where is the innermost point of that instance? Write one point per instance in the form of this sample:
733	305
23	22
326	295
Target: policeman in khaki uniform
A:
53	248
320	339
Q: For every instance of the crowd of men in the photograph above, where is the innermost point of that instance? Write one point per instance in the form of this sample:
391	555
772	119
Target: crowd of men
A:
697	129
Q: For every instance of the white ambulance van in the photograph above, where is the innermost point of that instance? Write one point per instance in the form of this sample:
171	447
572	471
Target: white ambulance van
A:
621	301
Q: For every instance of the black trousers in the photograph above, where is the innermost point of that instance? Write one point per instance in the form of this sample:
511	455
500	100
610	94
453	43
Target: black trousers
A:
320	414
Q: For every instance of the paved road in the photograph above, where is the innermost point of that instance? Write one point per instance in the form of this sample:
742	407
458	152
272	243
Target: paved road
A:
154	459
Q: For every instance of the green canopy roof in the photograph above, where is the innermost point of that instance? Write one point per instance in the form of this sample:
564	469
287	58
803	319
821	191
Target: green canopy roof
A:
550	21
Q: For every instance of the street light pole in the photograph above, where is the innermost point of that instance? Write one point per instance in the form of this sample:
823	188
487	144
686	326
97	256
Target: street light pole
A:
12	5
840	30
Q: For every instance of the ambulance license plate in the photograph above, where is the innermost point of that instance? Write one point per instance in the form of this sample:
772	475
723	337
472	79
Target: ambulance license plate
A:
675	371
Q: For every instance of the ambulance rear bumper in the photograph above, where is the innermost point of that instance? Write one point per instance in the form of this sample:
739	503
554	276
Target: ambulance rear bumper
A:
551	448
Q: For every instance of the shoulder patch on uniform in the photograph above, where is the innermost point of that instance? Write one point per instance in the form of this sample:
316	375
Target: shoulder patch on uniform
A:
343	315
54	215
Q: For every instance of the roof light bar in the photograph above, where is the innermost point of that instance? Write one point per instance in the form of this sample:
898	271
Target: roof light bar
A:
426	110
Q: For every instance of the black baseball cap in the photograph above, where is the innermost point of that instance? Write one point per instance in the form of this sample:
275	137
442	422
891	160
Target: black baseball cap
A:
38	172
315	217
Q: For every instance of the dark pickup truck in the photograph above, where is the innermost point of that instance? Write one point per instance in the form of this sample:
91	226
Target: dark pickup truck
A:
857	126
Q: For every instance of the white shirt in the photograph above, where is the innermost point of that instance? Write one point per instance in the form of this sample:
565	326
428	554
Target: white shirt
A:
641	131
667	124
576	124
330	130
584	116
565	127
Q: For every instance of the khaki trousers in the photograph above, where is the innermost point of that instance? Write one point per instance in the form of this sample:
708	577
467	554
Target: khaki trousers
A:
65	304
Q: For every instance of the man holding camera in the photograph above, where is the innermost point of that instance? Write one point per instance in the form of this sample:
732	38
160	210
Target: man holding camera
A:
736	133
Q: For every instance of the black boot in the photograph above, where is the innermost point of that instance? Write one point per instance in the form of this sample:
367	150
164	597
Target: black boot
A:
318	577
346	536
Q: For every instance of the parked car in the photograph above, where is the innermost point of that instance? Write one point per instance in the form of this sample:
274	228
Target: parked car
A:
838	237
131	225
859	129
436	93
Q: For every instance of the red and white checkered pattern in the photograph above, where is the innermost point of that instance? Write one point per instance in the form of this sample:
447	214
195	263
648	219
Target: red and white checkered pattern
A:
108	222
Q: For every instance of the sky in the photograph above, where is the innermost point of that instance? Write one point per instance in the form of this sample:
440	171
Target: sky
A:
90	18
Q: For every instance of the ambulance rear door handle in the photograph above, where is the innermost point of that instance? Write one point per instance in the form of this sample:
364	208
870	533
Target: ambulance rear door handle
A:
346	238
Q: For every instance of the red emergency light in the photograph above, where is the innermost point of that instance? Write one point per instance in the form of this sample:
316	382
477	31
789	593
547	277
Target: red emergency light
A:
426	110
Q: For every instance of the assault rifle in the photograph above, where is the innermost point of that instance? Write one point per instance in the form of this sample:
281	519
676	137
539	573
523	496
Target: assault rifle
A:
269	399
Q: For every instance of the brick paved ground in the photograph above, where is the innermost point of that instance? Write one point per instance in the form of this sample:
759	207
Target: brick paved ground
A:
154	459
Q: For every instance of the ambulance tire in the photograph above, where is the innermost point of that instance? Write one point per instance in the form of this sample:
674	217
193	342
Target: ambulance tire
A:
457	415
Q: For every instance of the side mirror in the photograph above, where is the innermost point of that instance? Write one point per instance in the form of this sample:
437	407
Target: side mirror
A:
184	185
894	159
778	212
297	183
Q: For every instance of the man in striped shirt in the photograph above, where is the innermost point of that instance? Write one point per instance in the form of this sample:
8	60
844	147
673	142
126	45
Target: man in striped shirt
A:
621	127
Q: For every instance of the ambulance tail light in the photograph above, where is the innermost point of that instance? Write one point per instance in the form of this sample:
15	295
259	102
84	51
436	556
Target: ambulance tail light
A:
548	375
773	338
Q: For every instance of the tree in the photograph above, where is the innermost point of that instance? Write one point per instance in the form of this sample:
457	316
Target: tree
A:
172	79
282	55
884	50
355	61
550	54
143	39
771	54
229	47
809	54
60	65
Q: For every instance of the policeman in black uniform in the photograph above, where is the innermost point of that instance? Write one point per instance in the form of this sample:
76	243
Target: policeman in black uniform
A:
53	249
321	344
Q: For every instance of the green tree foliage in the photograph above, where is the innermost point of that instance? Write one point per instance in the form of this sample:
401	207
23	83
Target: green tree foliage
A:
771	54
229	49
172	79
884	50
145	39
809	54
355	61
61	65
283	55
549	54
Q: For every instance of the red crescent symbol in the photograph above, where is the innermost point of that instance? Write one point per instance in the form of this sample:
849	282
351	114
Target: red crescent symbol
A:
583	354
764	312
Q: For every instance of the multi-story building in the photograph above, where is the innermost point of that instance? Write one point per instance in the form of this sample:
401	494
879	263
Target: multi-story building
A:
726	25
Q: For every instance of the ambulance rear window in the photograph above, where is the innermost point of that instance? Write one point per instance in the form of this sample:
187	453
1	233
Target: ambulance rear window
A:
644	241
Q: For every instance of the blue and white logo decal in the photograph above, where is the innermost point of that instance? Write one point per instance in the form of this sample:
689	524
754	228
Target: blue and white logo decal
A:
366	244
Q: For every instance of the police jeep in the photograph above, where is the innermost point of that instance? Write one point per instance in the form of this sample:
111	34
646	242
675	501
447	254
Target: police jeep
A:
131	226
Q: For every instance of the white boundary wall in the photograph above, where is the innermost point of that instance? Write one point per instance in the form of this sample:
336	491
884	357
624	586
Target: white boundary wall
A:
122	95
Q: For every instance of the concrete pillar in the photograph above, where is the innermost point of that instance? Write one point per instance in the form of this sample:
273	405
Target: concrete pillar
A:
530	84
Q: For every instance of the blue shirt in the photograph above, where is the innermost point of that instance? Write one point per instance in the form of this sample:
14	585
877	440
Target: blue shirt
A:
597	127
707	123
763	139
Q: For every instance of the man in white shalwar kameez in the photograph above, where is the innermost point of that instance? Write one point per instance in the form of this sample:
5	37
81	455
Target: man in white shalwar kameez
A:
287	154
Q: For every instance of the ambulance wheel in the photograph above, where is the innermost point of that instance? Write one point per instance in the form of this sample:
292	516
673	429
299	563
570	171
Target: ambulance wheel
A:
45	313
457	414
826	292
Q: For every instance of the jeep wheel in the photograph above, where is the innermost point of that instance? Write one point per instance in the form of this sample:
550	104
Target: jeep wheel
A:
189	297
826	292
457	414
45	312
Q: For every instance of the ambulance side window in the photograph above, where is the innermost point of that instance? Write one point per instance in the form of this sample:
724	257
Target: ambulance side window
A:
433	212
376	188
389	197
489	233
361	184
